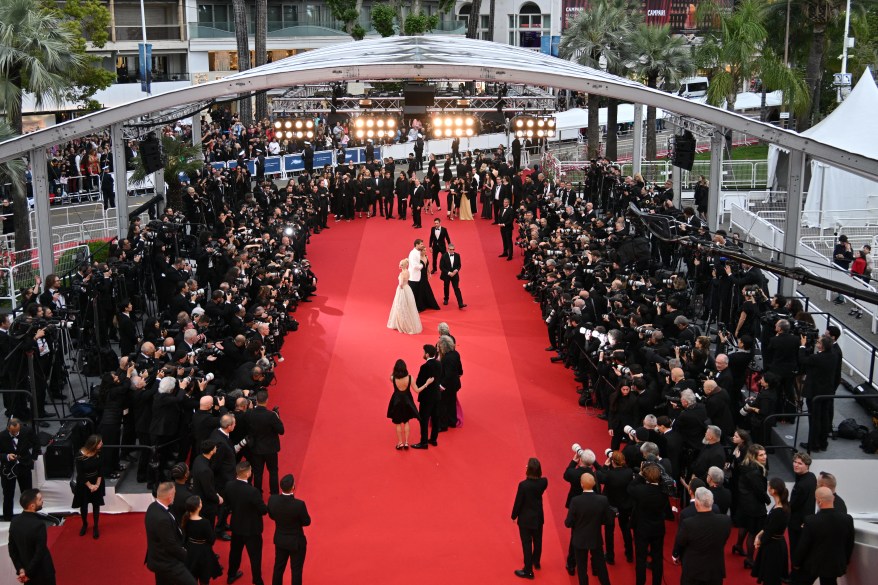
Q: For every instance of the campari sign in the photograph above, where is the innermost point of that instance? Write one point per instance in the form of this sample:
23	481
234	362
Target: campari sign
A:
657	12
569	10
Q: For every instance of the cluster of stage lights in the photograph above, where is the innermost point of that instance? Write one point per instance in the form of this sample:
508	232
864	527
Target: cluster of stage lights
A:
370	126
526	126
290	128
450	125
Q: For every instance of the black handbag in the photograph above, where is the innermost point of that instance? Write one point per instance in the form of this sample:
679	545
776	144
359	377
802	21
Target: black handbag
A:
73	485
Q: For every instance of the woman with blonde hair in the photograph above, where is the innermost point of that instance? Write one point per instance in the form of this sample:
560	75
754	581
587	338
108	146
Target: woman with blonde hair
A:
404	311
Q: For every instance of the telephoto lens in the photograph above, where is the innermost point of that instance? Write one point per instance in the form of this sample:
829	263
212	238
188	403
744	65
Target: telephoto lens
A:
608	452
577	449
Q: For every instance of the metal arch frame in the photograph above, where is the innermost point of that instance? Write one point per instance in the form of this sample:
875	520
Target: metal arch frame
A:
432	57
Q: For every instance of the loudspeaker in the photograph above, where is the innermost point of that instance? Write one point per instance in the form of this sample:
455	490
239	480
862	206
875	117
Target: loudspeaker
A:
867	397
684	151
151	151
61	450
419	95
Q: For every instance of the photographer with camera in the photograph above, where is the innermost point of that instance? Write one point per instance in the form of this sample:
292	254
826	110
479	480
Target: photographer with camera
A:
781	357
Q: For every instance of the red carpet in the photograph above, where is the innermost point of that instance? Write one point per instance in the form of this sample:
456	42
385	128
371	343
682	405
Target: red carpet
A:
440	516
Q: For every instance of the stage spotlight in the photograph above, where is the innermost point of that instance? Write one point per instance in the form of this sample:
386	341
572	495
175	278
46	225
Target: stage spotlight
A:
277	125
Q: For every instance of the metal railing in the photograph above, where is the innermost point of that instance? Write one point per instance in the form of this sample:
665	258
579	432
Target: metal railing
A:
24	268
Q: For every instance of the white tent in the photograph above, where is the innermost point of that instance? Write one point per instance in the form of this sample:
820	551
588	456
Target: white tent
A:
569	122
836	196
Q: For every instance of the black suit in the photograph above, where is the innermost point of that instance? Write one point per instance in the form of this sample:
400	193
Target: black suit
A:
26	448
819	370
245	503
648	522
290	544
438	244
417	202
223	461
28	550
528	510
445	266
165	554
452	370
588	514
265	430
127	334
825	547
428	409
710	456
204	486
700	542
505	218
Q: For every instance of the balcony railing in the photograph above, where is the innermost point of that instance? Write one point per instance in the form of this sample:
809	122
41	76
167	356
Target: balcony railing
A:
156	77
301	28
162	32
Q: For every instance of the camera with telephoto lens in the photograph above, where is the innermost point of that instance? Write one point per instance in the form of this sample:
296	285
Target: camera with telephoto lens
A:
748	406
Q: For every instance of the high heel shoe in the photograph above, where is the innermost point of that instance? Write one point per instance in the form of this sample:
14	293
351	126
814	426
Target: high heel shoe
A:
83	530
399	446
738	551
405	446
96	533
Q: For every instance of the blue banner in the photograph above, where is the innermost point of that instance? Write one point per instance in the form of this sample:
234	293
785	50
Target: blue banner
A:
145	55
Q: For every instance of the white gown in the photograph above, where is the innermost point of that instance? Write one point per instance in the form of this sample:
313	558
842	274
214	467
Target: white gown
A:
404	312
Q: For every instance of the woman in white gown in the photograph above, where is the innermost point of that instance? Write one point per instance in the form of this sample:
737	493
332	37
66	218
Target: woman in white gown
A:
404	312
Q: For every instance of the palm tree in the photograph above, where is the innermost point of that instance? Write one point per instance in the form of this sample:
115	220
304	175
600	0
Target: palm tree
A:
36	52
593	36
261	53
242	39
472	24
630	17
179	157
656	55
737	50
821	14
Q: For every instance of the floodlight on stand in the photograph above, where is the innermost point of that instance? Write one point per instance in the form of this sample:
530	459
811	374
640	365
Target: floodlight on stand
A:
463	103
365	103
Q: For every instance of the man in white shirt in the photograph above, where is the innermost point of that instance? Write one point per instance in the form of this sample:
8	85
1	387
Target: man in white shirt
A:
415	270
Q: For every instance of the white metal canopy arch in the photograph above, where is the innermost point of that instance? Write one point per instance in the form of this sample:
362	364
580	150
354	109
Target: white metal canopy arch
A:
437	57
424	58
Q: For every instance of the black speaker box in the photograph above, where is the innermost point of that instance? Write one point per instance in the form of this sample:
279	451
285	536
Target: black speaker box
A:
867	397
61	451
684	151
151	151
419	95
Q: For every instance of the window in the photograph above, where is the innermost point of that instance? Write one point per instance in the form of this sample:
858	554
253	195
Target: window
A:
526	27
484	19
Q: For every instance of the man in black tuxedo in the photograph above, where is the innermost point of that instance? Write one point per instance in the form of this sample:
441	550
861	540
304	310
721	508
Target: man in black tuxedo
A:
427	389
782	358
802	498
505	219
438	241
165	555
587	516
417	202
19	448
265	430
449	384
247	507
819	369
27	542
648	522
700	543
204	482
827	542
449	267
223	463
127	330
290	516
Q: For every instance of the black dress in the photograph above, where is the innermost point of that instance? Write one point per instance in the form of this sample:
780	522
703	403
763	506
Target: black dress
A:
88	469
402	406
425	297
200	560
771	565
752	498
